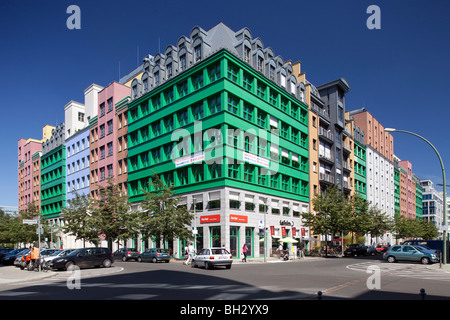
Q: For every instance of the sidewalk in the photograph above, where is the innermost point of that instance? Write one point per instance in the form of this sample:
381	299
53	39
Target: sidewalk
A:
437	266
12	274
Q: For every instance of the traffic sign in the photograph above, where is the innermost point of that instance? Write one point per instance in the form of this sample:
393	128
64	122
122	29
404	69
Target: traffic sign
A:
29	221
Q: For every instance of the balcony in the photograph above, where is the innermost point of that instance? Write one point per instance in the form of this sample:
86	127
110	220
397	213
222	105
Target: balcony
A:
326	134
326	177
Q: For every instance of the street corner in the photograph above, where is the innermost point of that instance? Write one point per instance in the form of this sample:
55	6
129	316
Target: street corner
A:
12	274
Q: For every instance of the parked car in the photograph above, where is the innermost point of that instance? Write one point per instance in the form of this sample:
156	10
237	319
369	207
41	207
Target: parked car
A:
58	253
18	261
212	257
4	252
84	258
371	250
382	248
357	249
126	254
410	253
154	255
11	256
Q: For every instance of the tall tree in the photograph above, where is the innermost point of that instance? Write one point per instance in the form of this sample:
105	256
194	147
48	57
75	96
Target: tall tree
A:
161	214
380	222
332	213
78	219
111	214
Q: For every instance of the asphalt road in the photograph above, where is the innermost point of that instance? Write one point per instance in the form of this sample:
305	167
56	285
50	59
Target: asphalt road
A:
336	278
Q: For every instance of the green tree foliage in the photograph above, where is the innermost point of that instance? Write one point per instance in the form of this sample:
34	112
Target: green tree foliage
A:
78	219
161	214
111	215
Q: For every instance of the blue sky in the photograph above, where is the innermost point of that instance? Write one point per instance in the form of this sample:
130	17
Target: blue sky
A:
398	73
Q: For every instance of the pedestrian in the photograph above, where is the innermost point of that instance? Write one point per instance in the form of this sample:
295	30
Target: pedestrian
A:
190	253
186	254
244	251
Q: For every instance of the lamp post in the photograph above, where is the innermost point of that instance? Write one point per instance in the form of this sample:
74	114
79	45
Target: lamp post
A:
444	254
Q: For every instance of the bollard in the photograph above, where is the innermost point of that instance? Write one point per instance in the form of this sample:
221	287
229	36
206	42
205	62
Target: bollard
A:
422	294
319	295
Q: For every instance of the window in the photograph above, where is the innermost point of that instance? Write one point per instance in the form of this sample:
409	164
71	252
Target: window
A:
81	116
183	62
156	156
197	173
168	95
183	89
168	124
261	120
198	52
214	104
102	131
248	112
233	104
156	129
247	82
183	176
102	152
102	109
102	173
215	170
169	70
197	80
110	148
156	76
110	171
214	72
261	91
198	111
182	117
110	104
233	170
110	126
232	72
248	172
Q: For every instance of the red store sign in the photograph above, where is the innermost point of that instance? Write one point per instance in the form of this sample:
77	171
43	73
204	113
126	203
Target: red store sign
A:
238	218
210	218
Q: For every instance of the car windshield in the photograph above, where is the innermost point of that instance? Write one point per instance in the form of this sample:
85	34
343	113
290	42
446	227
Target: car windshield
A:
422	248
56	253
219	251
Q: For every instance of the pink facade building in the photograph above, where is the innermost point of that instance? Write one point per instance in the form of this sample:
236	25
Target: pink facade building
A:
28	175
106	145
409	189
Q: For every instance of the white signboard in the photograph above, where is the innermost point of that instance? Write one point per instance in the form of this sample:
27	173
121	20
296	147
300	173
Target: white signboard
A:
192	158
29	221
251	158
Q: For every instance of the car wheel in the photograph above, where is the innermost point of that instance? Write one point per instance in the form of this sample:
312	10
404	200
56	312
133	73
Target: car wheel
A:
139	259
69	265
154	260
391	259
228	266
107	263
124	258
425	260
208	266
193	264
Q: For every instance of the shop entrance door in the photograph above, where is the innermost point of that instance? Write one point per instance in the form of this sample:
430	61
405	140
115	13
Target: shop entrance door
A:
234	241
215	236
249	241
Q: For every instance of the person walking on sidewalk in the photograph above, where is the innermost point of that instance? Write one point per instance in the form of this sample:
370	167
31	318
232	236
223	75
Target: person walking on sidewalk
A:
190	253
244	251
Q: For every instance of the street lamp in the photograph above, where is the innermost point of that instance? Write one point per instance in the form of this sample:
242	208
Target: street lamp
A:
444	254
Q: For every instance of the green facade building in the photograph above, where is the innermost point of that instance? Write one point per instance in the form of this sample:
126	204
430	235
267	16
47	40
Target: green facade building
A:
53	172
223	119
